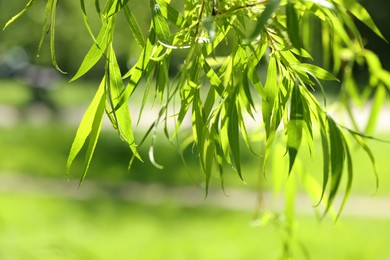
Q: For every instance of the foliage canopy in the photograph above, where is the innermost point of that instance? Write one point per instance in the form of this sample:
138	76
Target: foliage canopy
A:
219	84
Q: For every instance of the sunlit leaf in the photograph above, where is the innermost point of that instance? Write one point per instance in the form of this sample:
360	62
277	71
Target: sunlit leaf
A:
316	71
361	13
122	114
93	136
86	125
96	51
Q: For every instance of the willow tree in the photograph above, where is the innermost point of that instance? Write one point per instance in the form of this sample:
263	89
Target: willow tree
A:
226	46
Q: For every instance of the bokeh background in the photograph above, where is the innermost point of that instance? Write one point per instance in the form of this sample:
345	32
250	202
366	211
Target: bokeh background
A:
148	213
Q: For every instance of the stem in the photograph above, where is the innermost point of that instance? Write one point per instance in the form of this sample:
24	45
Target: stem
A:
200	19
237	8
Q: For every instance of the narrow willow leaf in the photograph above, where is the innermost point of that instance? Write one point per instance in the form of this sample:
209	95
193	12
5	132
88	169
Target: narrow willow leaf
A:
85	126
349	178
325	154
233	136
315	71
52	37
134	27
224	135
270	91
151	150
145	97
218	152
97	6
209	104
122	114
144	66
361	13
46	25
244	131
367	149
86	21
379	100
270	8
254	79
307	118
96	51
17	16
113	7
93	136
293	25
295	125
159	23
337	157
208	159
197	123
213	78
170	13
245	95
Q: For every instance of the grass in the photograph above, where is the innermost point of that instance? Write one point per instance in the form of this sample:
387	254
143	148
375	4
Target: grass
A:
43	227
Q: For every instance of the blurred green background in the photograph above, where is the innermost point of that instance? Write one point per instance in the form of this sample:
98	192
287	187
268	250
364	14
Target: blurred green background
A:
148	213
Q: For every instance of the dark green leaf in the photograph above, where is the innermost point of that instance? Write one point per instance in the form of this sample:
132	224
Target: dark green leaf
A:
295	125
337	157
270	8
293	25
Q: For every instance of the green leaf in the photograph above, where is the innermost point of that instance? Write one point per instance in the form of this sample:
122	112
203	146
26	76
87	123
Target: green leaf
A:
379	100
93	136
325	154
361	13
17	16
52	36
46	24
159	23
121	115
270	94
86	125
349	179
293	25
295	125
233	136
96	51
171	14
270	8
113	6
86	20
337	157
212	76
315	71
209	147
134	27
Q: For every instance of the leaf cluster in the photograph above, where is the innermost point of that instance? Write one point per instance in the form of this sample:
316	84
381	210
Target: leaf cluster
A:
219	84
